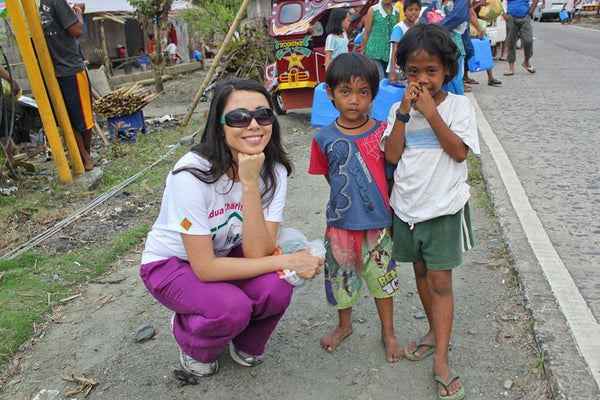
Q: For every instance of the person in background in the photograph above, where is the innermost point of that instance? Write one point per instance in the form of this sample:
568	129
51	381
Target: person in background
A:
337	39
518	24
208	257
576	16
476	24
454	16
171	50
379	22
151	44
10	92
428	137
412	9
62	26
357	238
400	7
173	34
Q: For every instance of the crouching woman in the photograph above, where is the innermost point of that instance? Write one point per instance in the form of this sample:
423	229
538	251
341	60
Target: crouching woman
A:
208	257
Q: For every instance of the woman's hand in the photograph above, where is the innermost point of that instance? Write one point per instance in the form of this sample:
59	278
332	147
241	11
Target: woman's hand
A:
249	167
305	265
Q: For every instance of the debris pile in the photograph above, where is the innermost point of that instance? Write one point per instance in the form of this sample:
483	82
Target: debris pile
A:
124	101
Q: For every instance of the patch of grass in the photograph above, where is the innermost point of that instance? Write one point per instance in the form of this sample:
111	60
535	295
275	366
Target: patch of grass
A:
29	281
478	189
42	200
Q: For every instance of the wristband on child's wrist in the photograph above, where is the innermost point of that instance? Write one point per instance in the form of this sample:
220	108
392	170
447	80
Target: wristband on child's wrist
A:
402	117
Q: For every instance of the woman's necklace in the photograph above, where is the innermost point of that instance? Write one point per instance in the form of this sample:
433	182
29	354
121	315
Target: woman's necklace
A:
354	127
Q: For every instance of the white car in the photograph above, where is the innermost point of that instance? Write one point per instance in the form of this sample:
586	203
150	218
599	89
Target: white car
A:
547	9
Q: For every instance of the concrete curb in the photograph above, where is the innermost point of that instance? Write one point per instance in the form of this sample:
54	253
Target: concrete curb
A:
567	371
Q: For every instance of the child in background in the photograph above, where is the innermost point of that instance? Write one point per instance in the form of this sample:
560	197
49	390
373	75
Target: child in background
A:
337	39
428	136
357	238
412	8
379	22
171	49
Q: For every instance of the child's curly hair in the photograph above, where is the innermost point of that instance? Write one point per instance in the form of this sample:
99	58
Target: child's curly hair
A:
433	39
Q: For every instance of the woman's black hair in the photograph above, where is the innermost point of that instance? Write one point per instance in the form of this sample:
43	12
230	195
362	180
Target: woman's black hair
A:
352	65
408	3
434	39
212	145
334	24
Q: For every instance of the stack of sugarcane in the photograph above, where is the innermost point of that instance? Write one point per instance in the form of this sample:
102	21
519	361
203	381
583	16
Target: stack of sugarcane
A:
124	101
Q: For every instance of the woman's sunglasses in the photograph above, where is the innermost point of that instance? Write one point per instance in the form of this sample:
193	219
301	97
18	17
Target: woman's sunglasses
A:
240	118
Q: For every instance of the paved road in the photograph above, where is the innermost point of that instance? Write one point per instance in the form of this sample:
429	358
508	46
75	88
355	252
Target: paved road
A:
547	124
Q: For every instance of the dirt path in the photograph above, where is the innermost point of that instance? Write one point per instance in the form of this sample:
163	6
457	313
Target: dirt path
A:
491	347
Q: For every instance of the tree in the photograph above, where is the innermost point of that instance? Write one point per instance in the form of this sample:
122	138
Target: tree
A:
155	13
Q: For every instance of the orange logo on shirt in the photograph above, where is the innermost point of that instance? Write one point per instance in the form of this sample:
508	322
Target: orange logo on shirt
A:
186	224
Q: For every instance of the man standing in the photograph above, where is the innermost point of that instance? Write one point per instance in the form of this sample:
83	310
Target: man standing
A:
62	26
518	24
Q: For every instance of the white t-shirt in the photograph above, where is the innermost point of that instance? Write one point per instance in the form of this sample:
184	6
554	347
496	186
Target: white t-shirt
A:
428	183
171	49
397	33
193	207
337	45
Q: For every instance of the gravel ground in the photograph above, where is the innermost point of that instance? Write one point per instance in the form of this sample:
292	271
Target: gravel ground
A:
93	337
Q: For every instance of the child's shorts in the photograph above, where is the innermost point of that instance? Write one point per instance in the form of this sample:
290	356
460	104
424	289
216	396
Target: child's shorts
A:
77	94
440	242
356	256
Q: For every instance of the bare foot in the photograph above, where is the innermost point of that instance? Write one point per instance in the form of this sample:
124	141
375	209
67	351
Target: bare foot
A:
89	165
393	351
451	387
331	341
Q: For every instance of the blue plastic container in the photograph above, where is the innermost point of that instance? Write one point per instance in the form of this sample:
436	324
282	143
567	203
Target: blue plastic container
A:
323	111
482	60
127	127
386	97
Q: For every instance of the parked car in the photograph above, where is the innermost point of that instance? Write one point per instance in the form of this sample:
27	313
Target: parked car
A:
547	9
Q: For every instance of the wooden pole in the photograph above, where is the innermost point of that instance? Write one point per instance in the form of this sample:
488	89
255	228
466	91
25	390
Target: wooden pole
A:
105	59
213	67
39	41
39	91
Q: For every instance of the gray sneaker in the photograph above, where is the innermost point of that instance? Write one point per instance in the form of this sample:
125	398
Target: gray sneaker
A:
242	358
197	368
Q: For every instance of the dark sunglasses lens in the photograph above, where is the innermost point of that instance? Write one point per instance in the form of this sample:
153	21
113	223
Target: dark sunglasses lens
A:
264	116
238	118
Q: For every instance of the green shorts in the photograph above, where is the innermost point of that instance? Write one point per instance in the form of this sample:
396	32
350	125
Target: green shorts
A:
356	256
440	242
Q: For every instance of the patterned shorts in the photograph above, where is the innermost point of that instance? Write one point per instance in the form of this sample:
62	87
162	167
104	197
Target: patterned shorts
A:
354	257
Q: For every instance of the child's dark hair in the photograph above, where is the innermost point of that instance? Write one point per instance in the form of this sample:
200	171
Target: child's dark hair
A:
435	40
334	24
352	65
213	148
408	3
151	36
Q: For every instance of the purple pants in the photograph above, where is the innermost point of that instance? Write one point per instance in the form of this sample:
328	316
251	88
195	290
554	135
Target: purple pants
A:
209	315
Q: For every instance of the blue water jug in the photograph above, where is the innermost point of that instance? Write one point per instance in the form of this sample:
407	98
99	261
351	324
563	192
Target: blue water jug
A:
386	97
482	60
323	111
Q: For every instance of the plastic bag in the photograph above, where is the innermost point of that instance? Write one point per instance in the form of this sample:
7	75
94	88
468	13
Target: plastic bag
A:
290	240
433	17
491	11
